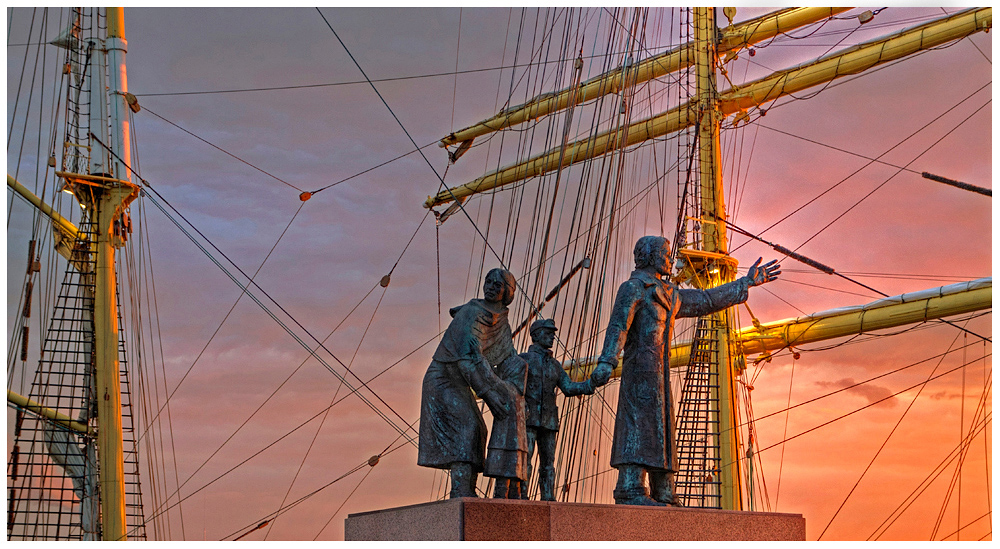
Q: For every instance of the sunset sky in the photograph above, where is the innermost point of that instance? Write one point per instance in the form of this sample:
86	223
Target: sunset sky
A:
909	235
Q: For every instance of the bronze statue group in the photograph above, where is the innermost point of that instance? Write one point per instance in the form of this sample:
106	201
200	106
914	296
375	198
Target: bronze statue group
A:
477	354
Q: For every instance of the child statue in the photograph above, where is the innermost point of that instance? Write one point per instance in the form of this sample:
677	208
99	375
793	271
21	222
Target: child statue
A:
545	374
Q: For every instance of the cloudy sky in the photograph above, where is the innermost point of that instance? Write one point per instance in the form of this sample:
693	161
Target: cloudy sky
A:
207	80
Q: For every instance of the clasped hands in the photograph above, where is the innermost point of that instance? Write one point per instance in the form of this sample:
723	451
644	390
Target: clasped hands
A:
601	374
499	398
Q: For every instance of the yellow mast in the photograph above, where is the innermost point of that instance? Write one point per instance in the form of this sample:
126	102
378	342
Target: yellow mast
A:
105	193
108	205
713	241
855	60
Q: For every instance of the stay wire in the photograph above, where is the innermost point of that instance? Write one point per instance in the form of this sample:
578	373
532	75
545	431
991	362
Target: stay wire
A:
274	515
845	179
966	119
301	425
784	435
347	83
847	278
431	166
869	405
858	384
327	413
963	453
271	313
273	393
357	468
223	322
885	442
970	523
220	149
304	361
342	504
149	188
371	169
930	478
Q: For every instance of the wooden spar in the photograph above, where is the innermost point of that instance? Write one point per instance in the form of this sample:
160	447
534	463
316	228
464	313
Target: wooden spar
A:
954	299
733	39
890	312
855	60
48	413
67	229
858	59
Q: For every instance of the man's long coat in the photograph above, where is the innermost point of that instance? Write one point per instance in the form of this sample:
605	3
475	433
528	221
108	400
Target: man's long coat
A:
642	321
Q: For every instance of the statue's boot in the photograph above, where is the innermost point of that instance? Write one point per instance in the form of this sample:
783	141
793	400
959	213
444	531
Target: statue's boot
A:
547	483
523	489
463	480
662	487
514	489
501	488
630	490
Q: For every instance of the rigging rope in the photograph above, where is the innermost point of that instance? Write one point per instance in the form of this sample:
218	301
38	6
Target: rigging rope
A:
312	354
931	477
348	83
886	441
869	405
145	192
897	173
904	140
784	435
426	160
220	149
326	414
226	317
829	270
271	314
869	380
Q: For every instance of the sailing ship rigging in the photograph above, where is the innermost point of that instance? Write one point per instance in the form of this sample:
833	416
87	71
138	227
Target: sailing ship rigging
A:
631	122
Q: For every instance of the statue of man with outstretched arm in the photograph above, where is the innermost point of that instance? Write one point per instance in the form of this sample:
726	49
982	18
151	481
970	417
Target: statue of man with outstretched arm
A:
642	321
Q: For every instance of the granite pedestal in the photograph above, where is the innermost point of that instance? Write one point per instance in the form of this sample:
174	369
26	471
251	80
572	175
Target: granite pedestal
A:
508	520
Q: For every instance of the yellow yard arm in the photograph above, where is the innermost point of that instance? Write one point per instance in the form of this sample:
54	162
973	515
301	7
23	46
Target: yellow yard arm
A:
59	222
733	39
48	413
954	299
890	312
65	233
854	60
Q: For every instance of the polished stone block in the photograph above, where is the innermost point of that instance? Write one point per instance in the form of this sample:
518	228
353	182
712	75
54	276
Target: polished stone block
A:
509	520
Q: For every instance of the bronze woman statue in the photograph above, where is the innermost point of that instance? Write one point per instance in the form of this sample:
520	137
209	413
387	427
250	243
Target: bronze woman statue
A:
452	430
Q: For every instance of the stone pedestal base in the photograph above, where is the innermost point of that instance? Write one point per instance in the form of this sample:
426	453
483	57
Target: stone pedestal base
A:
503	520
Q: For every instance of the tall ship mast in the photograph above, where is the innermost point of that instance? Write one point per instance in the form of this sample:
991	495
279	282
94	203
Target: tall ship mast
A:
608	124
68	469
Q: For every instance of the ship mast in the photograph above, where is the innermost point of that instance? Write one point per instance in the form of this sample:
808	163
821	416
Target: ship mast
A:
105	192
715	267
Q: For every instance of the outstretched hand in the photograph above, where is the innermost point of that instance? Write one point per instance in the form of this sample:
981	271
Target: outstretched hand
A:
759	274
